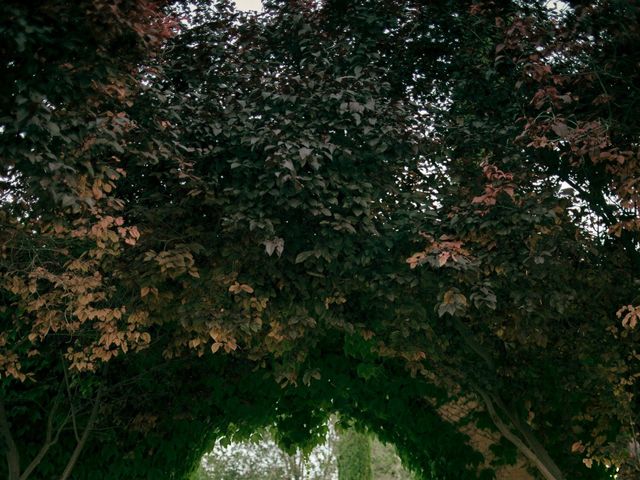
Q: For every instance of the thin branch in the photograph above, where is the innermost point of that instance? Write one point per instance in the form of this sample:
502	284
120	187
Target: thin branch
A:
13	456
83	440
50	439
600	207
467	336
73	410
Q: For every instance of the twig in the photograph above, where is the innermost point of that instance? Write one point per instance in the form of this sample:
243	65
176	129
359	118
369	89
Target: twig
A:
73	412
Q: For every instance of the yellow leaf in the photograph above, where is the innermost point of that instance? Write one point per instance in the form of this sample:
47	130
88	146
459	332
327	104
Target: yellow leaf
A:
630	320
448	297
237	288
416	259
442	258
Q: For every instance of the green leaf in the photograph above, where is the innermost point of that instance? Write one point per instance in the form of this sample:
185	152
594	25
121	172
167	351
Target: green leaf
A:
301	257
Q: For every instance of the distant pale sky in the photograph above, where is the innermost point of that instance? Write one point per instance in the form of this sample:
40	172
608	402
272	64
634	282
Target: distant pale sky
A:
249	4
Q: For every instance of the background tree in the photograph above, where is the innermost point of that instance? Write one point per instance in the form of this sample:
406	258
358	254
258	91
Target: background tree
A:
385	463
261	458
353	452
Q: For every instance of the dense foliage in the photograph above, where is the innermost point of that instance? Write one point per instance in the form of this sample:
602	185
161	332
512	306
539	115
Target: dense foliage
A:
393	209
354	456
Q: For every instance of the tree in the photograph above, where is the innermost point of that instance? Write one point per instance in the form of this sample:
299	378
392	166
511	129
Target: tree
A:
354	456
385	463
359	207
261	458
68	71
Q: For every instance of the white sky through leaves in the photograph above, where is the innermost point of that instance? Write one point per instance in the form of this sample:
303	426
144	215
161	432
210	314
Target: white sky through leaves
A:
249	5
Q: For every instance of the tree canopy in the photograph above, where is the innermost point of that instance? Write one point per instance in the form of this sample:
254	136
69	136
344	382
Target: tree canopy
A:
422	215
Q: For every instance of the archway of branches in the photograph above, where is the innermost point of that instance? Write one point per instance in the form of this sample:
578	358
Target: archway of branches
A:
420	215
